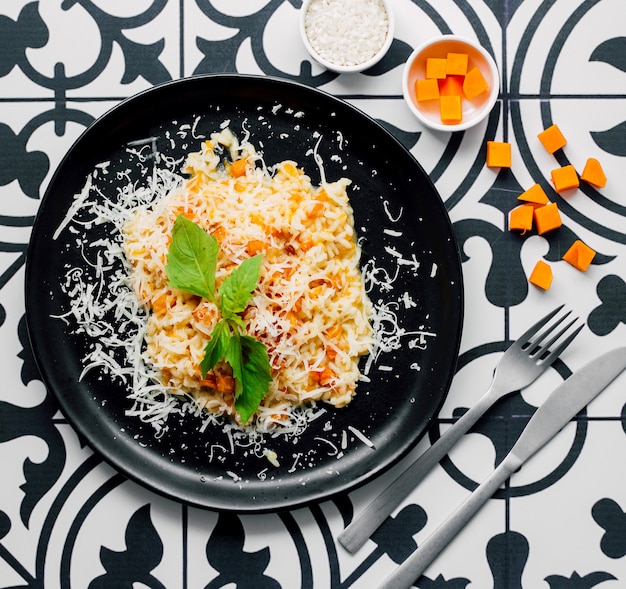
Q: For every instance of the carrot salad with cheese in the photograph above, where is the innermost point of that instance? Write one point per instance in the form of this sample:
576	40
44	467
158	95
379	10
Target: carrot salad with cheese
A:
309	307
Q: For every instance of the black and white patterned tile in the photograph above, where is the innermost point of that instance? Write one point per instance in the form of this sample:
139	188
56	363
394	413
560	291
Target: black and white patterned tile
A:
69	520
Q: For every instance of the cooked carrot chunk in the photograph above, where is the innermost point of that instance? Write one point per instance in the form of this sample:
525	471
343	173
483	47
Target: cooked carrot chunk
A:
547	218
436	67
564	178
541	275
255	246
474	83
521	218
498	154
579	255
238	168
535	194
456	64
593	173
552	138
427	89
450	109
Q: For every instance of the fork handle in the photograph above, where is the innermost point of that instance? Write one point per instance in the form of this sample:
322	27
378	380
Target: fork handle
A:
410	570
362	527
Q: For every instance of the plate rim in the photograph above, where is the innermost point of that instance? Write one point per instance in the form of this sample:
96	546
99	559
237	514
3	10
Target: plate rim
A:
138	475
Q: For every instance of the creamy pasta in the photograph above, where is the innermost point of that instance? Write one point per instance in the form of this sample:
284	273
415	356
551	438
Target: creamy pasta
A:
310	308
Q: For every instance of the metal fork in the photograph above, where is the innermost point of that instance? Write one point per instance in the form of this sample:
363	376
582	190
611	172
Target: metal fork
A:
520	365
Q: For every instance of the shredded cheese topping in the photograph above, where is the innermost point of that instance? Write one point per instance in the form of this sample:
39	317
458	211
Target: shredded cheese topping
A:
102	302
310	308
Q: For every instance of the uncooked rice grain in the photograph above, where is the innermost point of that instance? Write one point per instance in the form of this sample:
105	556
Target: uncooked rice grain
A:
346	32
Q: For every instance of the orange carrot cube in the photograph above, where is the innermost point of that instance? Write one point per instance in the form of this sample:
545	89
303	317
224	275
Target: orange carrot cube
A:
498	154
426	89
535	194
541	275
564	178
238	168
456	64
474	83
552	138
579	255
521	218
436	67
451	86
593	173
547	218
450	109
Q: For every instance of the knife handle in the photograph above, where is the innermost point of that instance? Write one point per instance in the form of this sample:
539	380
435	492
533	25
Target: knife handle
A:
409	571
366	523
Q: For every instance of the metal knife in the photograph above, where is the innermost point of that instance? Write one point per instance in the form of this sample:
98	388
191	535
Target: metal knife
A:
559	408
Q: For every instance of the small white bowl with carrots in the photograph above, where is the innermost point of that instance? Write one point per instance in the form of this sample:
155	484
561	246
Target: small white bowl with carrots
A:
450	83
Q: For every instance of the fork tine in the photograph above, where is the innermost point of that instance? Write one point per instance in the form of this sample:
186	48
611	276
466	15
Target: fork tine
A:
546	332
554	354
556	336
525	337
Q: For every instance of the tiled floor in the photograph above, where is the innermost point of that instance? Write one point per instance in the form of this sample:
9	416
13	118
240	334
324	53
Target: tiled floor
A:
69	520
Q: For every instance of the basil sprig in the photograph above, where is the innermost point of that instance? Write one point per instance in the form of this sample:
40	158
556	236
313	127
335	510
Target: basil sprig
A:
191	265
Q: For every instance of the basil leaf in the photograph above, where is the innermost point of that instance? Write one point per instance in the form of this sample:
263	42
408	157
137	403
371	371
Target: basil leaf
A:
233	355
236	290
192	259
255	376
216	347
191	266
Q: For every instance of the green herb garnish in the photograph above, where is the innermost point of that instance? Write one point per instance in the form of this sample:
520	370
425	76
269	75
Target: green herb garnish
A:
191	265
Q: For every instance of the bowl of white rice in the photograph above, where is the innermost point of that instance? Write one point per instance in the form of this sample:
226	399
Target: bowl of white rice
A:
346	36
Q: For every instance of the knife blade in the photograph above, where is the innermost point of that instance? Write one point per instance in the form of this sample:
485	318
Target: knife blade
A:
566	401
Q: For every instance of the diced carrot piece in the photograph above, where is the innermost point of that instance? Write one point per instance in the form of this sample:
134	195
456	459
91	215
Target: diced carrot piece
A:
535	194
565	178
498	154
579	255
450	109
316	210
238	168
593	173
552	138
541	275
547	218
159	305
451	86
521	218
255	246
208	380
291	170
224	383
436	67
323	376
427	89
456	64
474	83
219	233
195	182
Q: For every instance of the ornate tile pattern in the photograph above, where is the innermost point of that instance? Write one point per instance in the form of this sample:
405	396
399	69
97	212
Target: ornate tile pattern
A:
68	520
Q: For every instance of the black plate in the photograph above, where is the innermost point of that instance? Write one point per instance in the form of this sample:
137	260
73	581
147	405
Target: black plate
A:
399	217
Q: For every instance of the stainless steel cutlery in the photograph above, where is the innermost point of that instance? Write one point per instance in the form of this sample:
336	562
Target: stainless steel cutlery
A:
563	403
521	364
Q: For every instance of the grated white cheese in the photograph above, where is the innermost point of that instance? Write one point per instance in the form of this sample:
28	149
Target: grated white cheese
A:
361	436
102	303
345	32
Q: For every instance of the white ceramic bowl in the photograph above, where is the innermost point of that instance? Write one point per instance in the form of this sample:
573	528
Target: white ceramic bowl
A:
474	110
337	67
